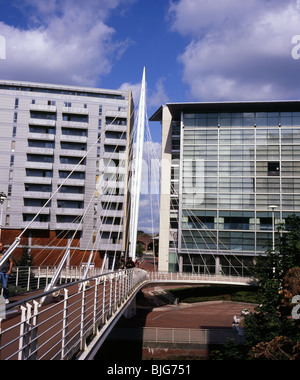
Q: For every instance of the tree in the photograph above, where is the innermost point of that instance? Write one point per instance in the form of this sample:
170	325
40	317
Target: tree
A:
291	285
274	273
139	249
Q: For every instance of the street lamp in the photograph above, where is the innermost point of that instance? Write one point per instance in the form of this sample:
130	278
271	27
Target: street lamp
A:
273	208
3	198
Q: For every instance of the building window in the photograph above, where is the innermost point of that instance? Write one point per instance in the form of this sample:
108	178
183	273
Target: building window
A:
273	169
16	104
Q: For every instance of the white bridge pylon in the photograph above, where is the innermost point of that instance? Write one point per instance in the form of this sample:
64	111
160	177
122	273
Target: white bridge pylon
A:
137	170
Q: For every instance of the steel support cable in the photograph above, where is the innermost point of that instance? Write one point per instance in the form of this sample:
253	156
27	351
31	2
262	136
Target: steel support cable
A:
214	236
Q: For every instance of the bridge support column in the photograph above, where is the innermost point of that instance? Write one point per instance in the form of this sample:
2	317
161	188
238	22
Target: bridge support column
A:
217	265
180	264
130	312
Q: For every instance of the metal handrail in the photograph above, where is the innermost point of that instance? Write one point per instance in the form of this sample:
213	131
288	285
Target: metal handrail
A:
64	325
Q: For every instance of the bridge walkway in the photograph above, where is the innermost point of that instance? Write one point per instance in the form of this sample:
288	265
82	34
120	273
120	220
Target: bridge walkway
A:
72	323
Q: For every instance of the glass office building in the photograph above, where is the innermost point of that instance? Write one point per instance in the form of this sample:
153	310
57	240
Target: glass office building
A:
223	165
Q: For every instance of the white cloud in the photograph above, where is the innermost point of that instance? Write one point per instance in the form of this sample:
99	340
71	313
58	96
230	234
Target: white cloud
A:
158	96
65	42
155	97
238	51
149	214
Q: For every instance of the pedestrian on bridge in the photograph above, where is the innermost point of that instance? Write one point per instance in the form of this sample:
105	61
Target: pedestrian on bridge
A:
5	271
130	263
122	263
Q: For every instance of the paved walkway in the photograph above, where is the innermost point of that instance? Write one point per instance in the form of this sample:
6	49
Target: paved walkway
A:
213	314
202	315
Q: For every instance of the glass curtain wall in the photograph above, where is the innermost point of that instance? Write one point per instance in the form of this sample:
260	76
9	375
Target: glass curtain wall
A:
234	166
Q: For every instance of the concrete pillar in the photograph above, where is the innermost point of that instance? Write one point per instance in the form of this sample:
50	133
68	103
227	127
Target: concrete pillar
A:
180	264
164	222
217	265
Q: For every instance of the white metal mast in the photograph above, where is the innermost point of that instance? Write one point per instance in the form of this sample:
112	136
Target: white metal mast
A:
138	164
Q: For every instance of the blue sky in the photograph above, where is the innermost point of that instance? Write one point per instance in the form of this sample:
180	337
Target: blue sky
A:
193	50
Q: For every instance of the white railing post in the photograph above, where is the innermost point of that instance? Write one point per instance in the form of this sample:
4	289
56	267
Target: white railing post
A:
34	332
17	280
104	302
82	320
64	340
28	280
116	289
24	332
0	338
111	295
39	277
95	318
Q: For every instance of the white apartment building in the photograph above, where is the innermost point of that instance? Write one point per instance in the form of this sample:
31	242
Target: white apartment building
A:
75	143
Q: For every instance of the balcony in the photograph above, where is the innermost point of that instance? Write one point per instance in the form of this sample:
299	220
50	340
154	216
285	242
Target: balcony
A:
70	197
120	114
109	198
36	194
115	142
71	182
111	228
105	246
34	210
71	167
36	225
115	156
38	165
42	122
74	124
116	128
41	136
42	107
39	180
42	151
75	139
73	152
75	110
112	213
70	211
66	226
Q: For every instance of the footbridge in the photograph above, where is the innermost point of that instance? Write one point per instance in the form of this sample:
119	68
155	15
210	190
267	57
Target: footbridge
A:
72	322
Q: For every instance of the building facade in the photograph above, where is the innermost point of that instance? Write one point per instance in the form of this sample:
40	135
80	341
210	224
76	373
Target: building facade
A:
73	145
223	166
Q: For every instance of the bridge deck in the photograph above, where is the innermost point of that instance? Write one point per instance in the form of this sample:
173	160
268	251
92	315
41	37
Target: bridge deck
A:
63	328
